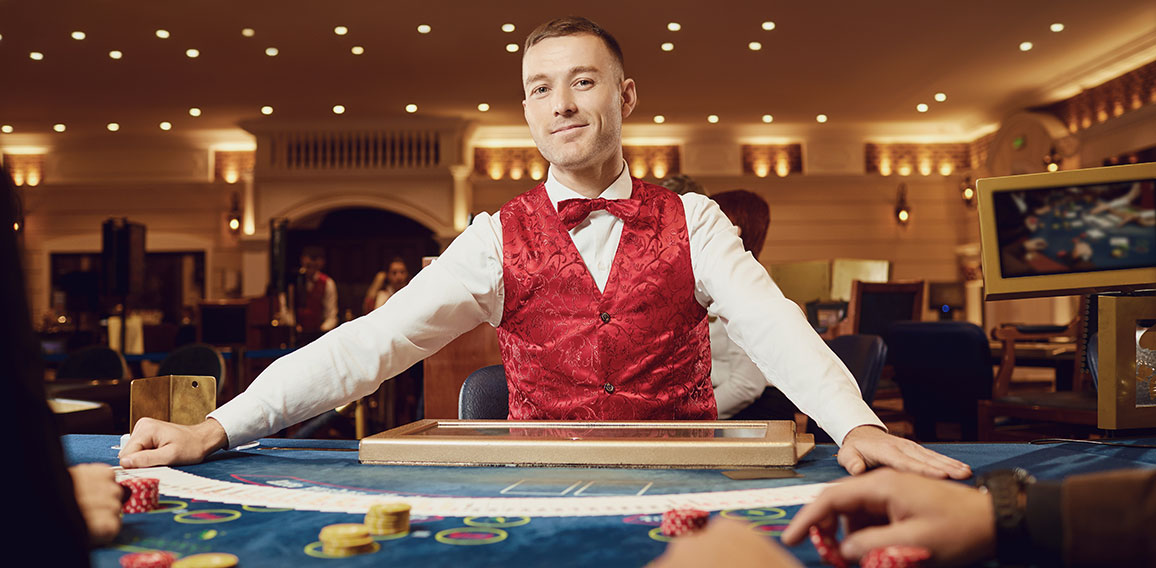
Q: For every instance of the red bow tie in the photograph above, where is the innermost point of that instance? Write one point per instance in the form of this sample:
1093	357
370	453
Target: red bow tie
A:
574	211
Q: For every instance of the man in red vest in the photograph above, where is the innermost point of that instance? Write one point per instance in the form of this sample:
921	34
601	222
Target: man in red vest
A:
598	285
315	296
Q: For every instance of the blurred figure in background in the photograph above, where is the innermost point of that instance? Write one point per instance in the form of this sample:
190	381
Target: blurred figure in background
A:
314	298
386	284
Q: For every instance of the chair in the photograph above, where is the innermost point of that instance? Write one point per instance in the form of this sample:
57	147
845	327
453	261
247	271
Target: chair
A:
864	356
485	395
942	368
195	359
876	305
96	362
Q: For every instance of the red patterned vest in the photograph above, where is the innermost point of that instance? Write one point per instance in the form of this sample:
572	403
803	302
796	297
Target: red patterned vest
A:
640	350
311	303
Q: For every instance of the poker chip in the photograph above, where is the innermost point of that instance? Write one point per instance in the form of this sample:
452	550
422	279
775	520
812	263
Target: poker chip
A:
207	560
895	557
144	494
388	518
678	522
148	559
346	539
827	547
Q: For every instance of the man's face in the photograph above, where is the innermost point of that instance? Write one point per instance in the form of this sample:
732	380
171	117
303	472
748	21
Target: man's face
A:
311	264
576	100
398	275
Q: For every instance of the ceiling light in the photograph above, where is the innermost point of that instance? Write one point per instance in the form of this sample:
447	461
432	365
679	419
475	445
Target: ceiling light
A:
512	47
248	32
1026	46
921	107
59	127
768	118
754	46
484	107
674	26
341	30
508	28
112	127
36	56
115	54
668	46
271	51
338	109
166	125
768	26
423	29
1057	27
78	36
194	111
411	108
266	110
821	118
163	34
192	53
6	129
659	119
940	97
713	119
357	50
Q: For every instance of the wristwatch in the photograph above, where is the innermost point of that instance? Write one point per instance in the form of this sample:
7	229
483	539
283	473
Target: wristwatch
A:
1009	498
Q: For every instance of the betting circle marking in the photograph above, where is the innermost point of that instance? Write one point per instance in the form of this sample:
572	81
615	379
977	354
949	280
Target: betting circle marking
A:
190	517
173	506
770	528
316	550
657	534
497	522
754	515
471	536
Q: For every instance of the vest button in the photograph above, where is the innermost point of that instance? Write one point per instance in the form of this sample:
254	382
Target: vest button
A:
605	317
609	388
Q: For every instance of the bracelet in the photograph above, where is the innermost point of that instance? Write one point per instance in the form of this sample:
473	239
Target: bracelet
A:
1008	490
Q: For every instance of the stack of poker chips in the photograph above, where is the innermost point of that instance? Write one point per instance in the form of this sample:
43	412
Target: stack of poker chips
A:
388	518
208	560
346	539
678	522
885	557
143	494
148	559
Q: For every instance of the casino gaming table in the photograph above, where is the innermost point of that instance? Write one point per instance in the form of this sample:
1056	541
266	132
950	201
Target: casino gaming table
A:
287	537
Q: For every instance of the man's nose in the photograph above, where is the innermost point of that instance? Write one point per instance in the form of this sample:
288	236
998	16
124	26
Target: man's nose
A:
564	104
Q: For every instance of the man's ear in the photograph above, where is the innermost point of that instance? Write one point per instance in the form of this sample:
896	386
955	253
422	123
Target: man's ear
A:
629	97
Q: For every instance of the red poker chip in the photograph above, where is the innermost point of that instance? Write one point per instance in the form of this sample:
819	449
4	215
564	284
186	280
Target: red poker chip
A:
895	557
144	494
678	522
149	559
827	547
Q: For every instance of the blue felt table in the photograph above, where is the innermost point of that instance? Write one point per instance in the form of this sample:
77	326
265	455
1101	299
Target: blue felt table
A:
263	537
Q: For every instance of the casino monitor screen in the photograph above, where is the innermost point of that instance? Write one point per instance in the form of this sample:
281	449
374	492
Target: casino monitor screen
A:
1049	234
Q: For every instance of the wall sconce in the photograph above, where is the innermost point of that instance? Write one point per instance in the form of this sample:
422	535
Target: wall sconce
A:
902	209
1052	160
235	215
967	192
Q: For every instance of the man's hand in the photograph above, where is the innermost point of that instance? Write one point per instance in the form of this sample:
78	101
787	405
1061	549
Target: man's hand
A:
98	495
886	508
724	543
154	443
866	447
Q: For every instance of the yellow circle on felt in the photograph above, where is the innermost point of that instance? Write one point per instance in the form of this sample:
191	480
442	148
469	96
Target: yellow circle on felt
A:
316	550
186	517
497	522
497	535
208	560
754	515
657	534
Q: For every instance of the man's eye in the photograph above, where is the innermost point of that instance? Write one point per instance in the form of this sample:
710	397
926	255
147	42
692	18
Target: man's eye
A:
539	90
584	83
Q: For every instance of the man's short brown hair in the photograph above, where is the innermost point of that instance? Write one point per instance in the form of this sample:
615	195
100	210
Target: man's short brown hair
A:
575	25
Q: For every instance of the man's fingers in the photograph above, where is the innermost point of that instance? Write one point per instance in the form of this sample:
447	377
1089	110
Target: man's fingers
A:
148	458
851	460
860	542
953	468
867	494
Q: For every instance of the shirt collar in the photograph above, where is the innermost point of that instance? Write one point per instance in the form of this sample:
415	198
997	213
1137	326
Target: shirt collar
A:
620	188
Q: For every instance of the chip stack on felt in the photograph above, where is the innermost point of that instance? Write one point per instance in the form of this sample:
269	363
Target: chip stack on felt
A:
148	559
388	518
207	560
346	539
678	522
885	557
144	494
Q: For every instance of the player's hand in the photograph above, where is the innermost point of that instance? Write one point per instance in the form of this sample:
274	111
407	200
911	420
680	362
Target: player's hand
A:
886	508
154	443
866	447
98	495
724	543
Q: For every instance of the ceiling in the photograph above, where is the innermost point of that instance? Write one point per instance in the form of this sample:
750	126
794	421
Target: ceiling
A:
864	64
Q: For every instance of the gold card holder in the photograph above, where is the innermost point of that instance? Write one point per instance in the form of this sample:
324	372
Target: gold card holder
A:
1127	361
729	444
180	399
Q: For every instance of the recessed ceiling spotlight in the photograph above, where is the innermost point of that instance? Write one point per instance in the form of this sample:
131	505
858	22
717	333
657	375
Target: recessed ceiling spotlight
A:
166	126
266	110
338	109
921	107
78	36
659	119
192	53
512	47
940	97
668	46
674	26
768	118
1026	46
754	46
357	50
6	129
59	127
36	56
411	108
821	118
508	28
248	32
194	111
768	25
271	51
1057	27
163	34
713	118
423	29
112	127
115	54
484	107
341	30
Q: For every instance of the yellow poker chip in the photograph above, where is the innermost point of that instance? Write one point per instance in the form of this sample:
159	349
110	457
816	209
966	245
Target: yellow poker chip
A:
345	535
388	508
208	560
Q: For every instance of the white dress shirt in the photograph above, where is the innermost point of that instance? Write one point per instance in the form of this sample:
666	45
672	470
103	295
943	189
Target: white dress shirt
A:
464	287
736	379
